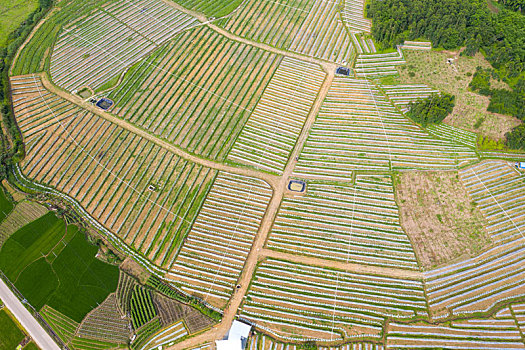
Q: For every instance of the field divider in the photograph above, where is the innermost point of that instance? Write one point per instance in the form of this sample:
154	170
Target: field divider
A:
270	179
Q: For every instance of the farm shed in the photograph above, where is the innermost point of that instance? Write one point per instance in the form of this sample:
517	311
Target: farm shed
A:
237	337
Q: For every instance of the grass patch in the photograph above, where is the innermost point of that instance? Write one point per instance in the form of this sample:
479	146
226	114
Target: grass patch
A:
10	334
51	263
5	205
13	12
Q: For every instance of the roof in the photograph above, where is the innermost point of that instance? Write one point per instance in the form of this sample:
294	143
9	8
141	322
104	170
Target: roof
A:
230	344
239	330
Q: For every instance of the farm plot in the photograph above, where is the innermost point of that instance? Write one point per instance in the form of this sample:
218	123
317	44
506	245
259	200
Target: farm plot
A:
62	325
211	8
167	336
363	43
126	285
478	284
196	92
416	45
338	221
32	56
451	133
498	190
106	323
269	136
214	252
381	64
144	194
300	302
518	311
276	23
116	35
323	35
171	311
23	213
261	342
402	95
476	334
443	225
353	14
359	129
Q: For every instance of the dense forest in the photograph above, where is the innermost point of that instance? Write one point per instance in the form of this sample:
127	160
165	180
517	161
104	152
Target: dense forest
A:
431	110
449	24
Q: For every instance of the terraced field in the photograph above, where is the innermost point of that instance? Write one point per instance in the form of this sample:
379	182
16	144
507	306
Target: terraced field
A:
358	224
217	106
110	179
359	129
199	100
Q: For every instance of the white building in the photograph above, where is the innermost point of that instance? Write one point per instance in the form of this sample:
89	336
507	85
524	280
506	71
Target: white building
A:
237	337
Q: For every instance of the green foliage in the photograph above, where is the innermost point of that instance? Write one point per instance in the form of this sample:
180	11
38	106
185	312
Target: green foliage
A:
146	332
431	110
10	334
85	281
13	13
29	244
5	205
488	144
31	346
480	82
37	282
142	308
218	8
163	288
516	138
514	5
68	278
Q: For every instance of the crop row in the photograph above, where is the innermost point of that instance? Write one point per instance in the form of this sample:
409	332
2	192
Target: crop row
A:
106	323
459	336
353	14
64	327
373	65
417	45
196	92
451	133
147	196
320	303
323	35
402	95
357	223
274	126
22	214
214	252
359	129
142	307
497	189
166	337
97	49
477	284
276	23
125	287
363	43
32	56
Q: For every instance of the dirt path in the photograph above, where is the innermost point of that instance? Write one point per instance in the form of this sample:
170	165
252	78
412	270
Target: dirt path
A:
273	180
351	267
327	66
257	251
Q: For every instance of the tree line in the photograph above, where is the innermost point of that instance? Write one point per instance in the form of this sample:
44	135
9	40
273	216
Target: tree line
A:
450	24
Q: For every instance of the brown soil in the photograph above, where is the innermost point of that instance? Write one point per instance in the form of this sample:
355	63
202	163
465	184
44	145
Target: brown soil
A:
132	268
439	218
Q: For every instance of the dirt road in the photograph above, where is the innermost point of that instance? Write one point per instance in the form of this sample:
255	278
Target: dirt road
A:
35	330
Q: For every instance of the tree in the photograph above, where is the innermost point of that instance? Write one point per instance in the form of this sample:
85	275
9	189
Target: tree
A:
431	110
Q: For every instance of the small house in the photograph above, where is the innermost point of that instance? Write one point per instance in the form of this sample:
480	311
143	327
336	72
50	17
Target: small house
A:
237	337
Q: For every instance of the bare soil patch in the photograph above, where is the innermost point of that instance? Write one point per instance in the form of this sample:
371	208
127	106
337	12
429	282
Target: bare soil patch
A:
441	221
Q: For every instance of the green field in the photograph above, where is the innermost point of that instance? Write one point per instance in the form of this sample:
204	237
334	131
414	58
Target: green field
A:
10	334
13	12
58	259
5	205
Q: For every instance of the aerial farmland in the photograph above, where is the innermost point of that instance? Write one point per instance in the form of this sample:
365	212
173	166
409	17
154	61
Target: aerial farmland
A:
263	175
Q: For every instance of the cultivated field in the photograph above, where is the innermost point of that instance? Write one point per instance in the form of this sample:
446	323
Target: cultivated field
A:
93	51
404	237
110	179
441	224
359	129
358	224
197	91
268	137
